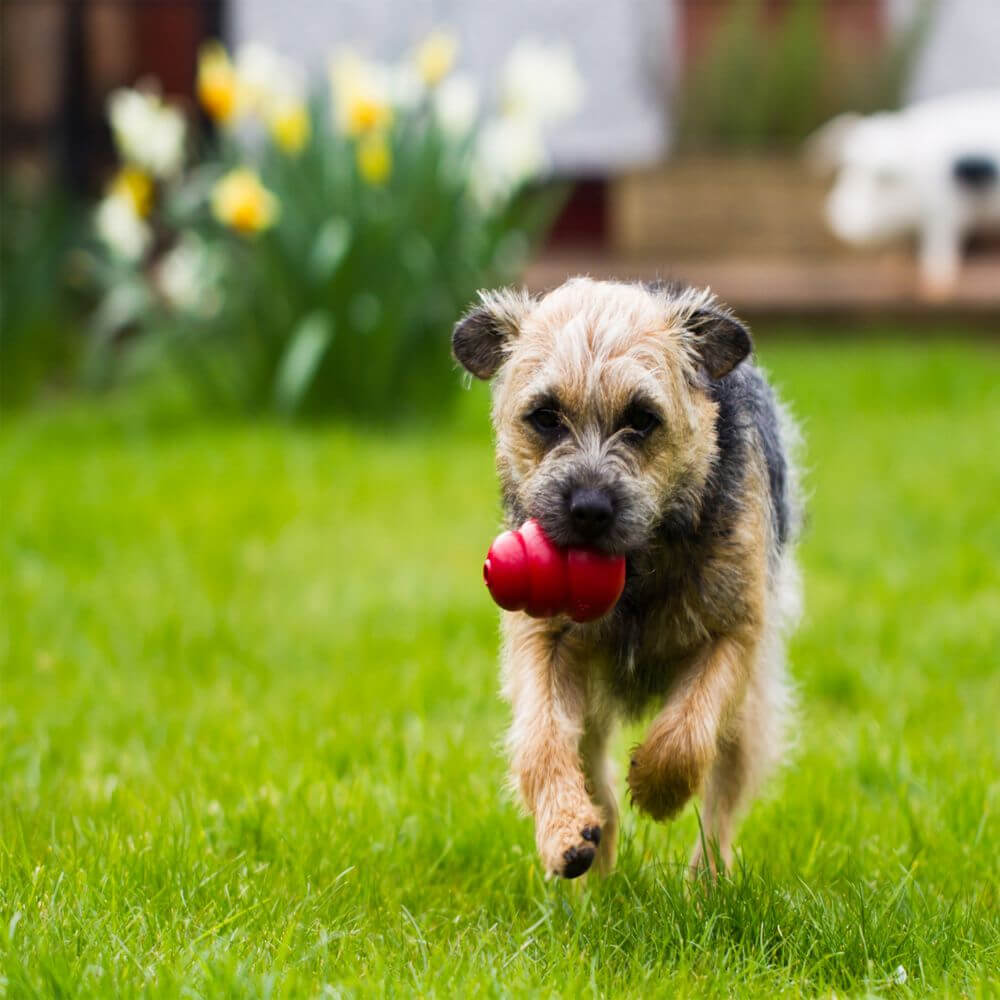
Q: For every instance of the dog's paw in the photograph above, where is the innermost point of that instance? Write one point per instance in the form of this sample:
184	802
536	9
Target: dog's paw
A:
660	782
570	852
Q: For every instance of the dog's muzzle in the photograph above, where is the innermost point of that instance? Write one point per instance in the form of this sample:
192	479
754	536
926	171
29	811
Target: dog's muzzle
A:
591	513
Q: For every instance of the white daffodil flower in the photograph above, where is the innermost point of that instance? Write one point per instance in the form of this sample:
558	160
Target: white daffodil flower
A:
540	81
406	88
188	277
121	228
456	104
509	152
147	132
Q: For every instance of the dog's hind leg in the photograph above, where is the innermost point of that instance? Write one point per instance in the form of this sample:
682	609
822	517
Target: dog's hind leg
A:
749	748
726	790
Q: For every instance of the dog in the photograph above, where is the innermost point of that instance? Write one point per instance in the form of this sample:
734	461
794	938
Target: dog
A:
631	418
931	169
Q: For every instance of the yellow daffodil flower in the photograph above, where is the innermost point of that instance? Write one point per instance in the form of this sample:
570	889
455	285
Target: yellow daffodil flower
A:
240	201
218	84
435	57
374	159
269	83
290	127
136	186
365	114
361	98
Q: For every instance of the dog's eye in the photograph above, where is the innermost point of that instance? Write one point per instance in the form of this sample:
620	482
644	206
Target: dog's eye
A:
545	420
640	421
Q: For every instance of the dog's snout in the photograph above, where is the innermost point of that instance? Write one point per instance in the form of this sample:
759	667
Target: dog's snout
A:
591	512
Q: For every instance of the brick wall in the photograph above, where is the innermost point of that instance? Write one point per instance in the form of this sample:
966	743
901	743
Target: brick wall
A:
60	58
849	24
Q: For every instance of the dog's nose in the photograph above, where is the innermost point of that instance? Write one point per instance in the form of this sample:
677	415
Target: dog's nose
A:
590	511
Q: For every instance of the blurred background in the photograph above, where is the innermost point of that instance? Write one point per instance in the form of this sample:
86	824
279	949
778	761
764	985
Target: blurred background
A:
392	160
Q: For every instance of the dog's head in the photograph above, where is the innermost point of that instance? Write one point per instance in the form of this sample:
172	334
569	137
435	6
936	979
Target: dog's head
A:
604	421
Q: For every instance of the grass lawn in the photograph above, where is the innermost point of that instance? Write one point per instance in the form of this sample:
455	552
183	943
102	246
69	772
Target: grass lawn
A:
249	720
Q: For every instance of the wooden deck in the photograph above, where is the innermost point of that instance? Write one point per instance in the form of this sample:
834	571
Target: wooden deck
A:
865	287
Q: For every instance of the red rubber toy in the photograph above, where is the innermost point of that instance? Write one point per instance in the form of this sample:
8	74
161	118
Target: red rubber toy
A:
525	571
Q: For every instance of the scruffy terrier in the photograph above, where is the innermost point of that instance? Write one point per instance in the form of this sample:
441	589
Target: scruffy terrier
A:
632	419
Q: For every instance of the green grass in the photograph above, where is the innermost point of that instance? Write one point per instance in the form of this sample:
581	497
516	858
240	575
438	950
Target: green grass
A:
249	721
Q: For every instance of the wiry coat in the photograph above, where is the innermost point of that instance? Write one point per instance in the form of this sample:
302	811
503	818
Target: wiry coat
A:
705	511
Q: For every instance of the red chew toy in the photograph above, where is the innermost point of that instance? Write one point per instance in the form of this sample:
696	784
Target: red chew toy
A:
524	571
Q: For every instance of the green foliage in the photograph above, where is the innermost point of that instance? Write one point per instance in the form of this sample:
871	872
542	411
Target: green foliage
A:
249	725
766	82
39	337
346	304
320	271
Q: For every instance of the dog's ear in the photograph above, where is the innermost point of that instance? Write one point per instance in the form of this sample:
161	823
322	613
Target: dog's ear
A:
824	148
721	341
481	338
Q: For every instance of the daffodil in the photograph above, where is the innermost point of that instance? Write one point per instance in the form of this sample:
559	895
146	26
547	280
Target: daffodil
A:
121	228
456	104
374	159
188	276
240	201
435	56
135	185
290	127
218	84
509	152
147	132
361	95
268	81
367	115
541	82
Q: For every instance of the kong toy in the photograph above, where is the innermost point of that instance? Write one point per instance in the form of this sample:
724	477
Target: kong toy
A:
525	571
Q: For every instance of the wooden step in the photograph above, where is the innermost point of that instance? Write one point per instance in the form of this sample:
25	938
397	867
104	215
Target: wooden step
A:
700	206
879	285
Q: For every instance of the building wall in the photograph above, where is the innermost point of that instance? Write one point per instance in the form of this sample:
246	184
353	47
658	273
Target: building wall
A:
962	50
623	50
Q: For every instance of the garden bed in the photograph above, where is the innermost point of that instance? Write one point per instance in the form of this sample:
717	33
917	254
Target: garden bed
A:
696	205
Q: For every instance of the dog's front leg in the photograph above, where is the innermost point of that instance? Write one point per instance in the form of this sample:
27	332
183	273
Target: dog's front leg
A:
547	689
682	742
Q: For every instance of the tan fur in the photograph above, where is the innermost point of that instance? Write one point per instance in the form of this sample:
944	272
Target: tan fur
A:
718	728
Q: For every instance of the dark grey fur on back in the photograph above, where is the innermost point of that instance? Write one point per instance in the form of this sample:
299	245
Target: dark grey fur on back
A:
748	414
748	421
